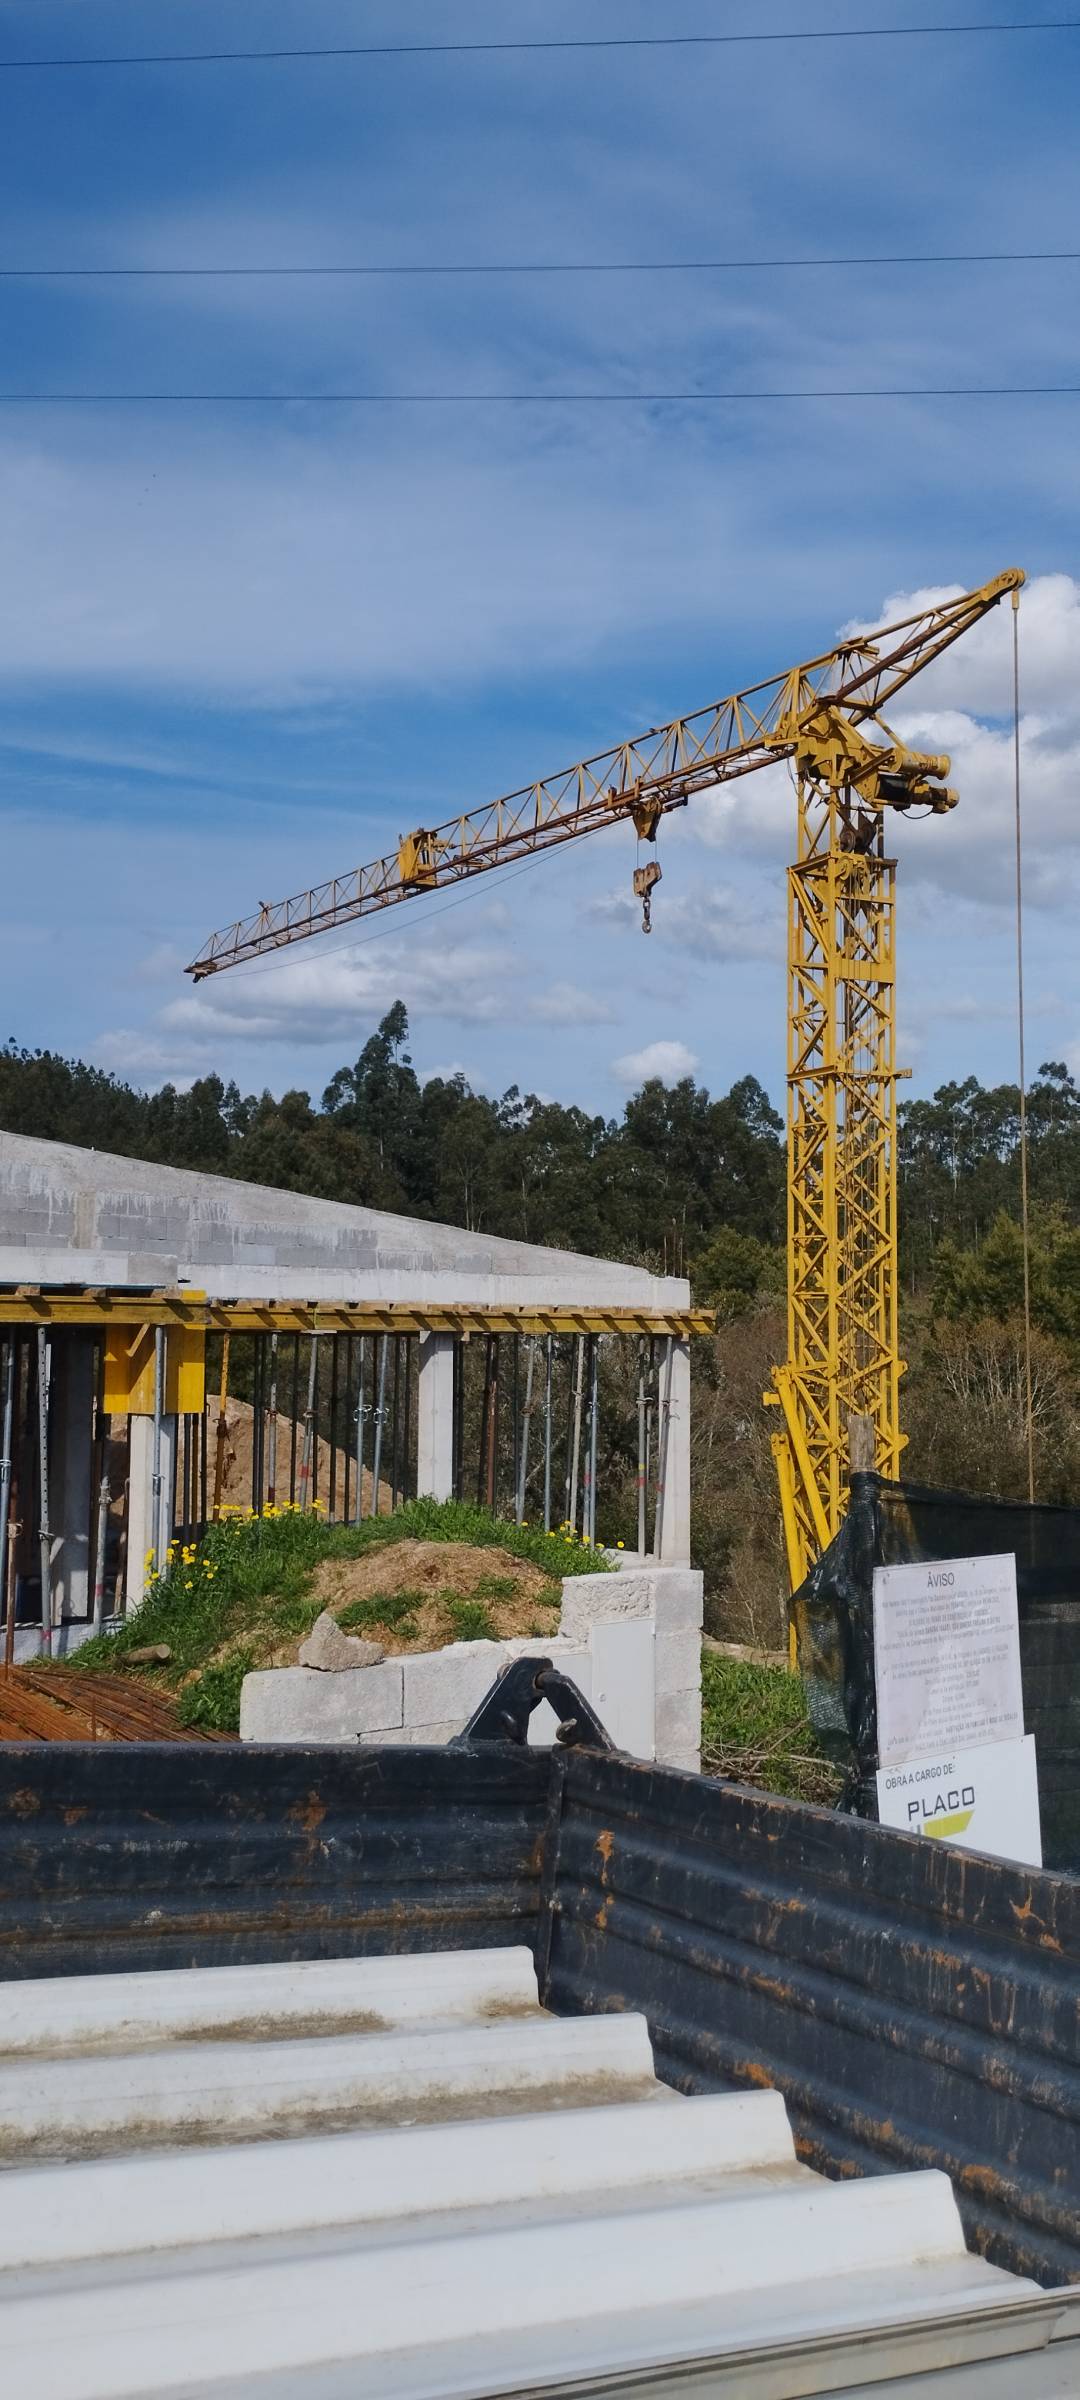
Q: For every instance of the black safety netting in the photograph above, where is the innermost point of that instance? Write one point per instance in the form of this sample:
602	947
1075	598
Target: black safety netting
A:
896	1524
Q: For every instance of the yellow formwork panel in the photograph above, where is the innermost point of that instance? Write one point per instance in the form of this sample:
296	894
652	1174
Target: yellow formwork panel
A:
129	1371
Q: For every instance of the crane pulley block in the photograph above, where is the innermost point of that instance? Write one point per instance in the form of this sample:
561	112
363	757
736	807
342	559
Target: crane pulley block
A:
645	882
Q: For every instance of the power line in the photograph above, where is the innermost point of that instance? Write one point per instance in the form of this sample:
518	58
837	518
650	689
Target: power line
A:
637	266
1025	1213
622	41
915	391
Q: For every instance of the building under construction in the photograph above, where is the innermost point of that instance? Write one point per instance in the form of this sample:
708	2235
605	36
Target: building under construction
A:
377	1358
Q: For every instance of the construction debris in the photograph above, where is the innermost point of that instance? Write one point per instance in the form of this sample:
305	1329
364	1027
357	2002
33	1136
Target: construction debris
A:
331	1649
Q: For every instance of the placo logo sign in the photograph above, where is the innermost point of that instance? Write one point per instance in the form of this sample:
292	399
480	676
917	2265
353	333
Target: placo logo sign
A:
980	1799
946	1656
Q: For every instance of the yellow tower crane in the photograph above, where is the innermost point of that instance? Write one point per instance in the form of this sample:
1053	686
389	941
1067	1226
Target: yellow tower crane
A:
825	718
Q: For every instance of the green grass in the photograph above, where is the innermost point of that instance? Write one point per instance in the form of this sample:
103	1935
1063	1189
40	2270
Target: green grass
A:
392	1612
472	1622
212	1701
251	1576
755	1729
549	1596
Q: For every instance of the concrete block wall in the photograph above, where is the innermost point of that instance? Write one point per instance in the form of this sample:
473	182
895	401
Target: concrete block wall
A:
631	1641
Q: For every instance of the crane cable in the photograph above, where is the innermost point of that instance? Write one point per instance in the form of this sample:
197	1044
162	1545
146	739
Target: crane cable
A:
1025	1221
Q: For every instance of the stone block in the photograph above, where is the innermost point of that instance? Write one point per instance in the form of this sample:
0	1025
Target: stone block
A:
300	1704
678	1599
677	1662
445	1684
595	1599
333	1651
678	1727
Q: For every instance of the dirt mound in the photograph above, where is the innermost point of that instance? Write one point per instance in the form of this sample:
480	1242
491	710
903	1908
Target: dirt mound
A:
240	1451
416	1595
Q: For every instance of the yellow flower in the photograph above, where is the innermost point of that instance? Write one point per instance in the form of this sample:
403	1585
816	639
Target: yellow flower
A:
620	1545
149	1559
189	1586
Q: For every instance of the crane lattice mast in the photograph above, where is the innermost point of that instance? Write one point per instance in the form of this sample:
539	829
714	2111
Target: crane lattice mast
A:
825	717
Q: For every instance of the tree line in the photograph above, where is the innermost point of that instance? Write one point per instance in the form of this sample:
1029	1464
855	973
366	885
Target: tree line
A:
682	1179
656	1183
695	1184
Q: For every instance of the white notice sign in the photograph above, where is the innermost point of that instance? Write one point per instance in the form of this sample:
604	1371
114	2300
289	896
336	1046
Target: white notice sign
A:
985	1799
946	1656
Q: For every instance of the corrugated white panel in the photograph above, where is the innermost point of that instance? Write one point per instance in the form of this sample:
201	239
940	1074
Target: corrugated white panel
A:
115	2206
115	2012
196	2090
515	2240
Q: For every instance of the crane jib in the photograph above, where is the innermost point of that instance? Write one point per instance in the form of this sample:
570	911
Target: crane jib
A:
657	771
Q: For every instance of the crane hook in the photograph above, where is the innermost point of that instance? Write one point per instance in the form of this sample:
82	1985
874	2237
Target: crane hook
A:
645	882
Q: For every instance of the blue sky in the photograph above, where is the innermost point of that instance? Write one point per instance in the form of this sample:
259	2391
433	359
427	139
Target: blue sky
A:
242	648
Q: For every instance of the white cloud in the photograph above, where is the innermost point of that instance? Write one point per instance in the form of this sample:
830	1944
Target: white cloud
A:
567	1004
663	1062
310	999
145	1059
716	921
975	675
753	817
970	853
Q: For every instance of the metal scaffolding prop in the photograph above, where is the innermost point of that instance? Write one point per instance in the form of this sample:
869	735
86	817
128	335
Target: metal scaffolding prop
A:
825	719
325	1416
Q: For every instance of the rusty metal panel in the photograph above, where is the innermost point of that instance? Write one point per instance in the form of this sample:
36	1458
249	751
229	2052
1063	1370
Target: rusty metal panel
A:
140	1856
916	2006
37	1705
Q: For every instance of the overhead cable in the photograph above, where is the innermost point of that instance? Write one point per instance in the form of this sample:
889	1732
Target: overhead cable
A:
1025	1209
600	266
915	391
620	41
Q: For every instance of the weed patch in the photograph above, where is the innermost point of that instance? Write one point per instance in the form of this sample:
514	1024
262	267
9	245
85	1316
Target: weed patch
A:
755	1729
212	1700
471	1620
388	1612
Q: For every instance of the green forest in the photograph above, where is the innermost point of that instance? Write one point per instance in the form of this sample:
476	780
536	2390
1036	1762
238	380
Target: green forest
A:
694	1184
